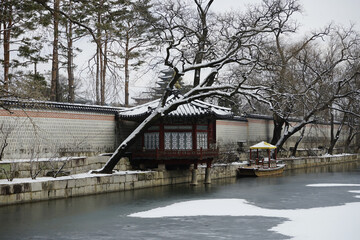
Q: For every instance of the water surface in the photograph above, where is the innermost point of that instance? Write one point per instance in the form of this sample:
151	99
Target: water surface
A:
106	216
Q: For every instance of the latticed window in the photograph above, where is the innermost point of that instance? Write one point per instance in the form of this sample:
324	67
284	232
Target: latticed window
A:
151	140
201	140
178	140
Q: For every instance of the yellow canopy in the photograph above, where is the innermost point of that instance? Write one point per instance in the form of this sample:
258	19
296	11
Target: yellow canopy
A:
263	145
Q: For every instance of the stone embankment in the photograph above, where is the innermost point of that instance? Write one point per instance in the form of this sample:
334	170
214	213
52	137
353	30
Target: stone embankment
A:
304	162
22	190
41	167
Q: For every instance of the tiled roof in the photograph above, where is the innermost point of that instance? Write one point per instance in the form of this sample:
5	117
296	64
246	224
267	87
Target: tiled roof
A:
35	104
195	108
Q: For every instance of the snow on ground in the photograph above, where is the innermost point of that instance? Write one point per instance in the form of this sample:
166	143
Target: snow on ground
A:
336	155
41	159
75	176
335	222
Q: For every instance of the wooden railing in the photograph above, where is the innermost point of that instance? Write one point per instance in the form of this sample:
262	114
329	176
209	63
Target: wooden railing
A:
175	154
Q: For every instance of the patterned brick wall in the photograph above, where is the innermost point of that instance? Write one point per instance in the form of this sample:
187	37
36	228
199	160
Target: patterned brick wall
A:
51	133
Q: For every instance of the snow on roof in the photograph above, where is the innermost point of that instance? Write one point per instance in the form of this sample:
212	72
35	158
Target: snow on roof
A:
38	104
194	108
263	145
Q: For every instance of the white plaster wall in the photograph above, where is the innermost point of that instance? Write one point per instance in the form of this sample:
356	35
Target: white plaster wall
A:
231	131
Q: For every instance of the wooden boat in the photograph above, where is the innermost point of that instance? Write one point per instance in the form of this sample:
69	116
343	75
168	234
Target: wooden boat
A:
260	171
261	166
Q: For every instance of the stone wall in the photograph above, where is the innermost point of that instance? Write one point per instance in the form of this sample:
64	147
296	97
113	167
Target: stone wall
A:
71	165
27	190
46	188
305	162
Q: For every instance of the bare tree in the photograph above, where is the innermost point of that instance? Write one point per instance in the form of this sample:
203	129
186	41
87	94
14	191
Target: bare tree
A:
5	131
318	79
348	107
239	45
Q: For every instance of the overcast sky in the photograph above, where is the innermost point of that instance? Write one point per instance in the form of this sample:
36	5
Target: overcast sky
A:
316	13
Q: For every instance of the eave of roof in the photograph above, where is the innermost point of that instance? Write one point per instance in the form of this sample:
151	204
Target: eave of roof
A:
195	108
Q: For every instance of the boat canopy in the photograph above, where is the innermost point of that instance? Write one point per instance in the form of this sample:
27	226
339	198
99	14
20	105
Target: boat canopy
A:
263	145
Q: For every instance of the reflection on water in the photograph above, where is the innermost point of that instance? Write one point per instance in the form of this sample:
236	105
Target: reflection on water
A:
345	167
105	216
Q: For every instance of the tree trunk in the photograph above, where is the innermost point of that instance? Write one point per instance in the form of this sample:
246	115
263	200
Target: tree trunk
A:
278	126
97	76
98	60
103	71
298	142
7	23
156	114
126	69
349	140
334	138
70	56
125	145
202	38
287	134
54	94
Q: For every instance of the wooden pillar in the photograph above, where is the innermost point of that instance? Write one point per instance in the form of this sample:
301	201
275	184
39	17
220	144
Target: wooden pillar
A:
161	137
250	158
194	137
210	134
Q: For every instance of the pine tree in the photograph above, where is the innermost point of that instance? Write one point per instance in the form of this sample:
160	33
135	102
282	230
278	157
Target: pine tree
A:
135	36
17	18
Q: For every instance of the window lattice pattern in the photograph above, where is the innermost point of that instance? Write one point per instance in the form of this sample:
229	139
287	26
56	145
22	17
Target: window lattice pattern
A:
178	140
151	140
201	140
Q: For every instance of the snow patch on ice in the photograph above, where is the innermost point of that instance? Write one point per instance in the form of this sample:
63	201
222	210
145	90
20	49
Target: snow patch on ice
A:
335	222
333	185
314	223
354	191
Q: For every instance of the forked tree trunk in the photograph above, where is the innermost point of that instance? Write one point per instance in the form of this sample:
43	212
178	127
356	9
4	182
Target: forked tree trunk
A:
278	127
160	111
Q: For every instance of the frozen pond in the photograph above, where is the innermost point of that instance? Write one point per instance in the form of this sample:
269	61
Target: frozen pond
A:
318	203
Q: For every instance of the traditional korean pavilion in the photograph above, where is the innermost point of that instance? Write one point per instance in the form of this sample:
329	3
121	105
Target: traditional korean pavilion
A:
185	136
